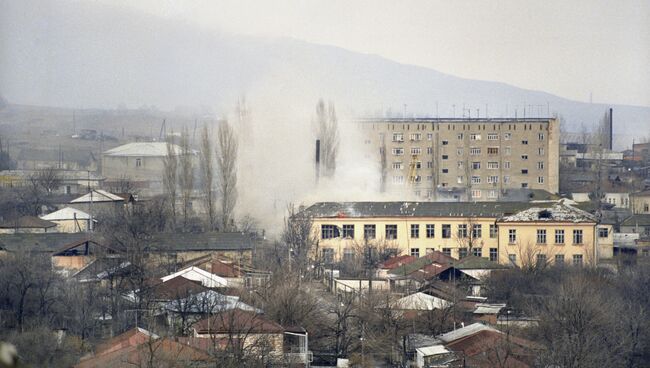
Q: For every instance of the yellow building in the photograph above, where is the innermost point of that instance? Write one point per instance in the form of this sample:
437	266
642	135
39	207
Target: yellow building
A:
457	229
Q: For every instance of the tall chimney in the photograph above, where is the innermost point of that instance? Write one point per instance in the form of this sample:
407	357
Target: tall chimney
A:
317	160
611	128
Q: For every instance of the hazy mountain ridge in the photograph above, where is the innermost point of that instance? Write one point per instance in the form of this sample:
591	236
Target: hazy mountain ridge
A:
90	55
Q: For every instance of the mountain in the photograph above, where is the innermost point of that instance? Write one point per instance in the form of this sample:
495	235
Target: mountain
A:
84	54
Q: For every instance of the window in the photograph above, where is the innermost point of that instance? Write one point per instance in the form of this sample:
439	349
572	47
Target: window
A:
540	136
462	231
477	252
540	180
525	141
418	164
524	157
348	254
415	252
398	137
460	164
431	230
559	259
646	207
399	179
445	171
507	150
603	232
429	136
512	258
476	193
541	236
476	165
559	236
138	162
506	165
348	231
541	259
540	151
446	251
462	253
577	236
475	137
391	232
328	255
493	150
416	150
474	151
429	164
429	150
493	231
506	179
444	157
398	151
459	180
68	189
446	231
494	254
524	171
493	136
512	236
524	185
459	151
476	180
415	231
459	136
540	165
416	136
397	165
577	259
507	136
369	232
445	142
430	178
329	231
493	165
493	179
477	231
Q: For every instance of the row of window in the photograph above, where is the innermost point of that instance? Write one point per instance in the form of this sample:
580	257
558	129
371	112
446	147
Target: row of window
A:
559	259
473	151
399	137
370	231
578	237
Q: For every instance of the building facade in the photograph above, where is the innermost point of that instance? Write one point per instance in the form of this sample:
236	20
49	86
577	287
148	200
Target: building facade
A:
459	229
422	158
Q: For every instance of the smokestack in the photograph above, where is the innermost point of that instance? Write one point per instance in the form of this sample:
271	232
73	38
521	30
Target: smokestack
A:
317	160
611	128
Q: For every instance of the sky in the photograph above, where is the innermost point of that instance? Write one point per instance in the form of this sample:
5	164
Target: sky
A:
583	50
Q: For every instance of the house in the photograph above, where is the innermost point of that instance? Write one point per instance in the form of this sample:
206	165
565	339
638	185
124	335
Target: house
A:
640	202
435	356
139	347
100	201
478	267
78	254
237	274
27	224
71	220
392	263
488	313
420	302
67	181
44	243
35	159
236	246
205	278
140	162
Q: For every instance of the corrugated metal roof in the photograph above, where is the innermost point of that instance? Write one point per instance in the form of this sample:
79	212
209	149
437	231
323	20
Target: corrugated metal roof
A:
67	213
464	331
154	149
98	195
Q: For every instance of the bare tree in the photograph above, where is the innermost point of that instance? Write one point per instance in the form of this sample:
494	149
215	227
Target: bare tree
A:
383	165
469	235
186	176
170	176
49	179
328	133
299	237
227	147
123	185
207	175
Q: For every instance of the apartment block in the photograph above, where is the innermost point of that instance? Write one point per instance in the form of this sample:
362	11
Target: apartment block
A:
464	159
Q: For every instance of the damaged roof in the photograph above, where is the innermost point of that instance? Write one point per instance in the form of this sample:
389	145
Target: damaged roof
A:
559	212
416	209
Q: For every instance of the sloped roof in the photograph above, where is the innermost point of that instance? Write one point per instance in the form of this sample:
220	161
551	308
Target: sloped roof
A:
132	337
238	321
415	209
478	263
81	156
634	220
176	288
557	213
141	149
208	301
202	241
433	350
433	257
420	301
45	242
464	331
98	195
27	222
206	278
397	261
67	213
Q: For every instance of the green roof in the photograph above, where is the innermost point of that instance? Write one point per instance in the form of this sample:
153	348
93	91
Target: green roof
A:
409	268
476	263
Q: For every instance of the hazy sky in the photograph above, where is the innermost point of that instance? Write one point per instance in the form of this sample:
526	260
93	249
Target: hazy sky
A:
569	48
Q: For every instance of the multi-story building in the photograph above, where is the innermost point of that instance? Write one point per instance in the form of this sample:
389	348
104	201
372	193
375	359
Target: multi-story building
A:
466	159
493	230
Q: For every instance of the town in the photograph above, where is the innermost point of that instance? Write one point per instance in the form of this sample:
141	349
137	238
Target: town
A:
323	234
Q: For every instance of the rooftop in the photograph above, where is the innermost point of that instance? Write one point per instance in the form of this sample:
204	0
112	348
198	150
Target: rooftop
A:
454	120
202	241
237	320
81	156
27	222
637	220
141	149
98	195
477	263
557	213
44	242
67	213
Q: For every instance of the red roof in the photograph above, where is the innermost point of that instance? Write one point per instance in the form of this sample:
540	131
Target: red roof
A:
397	261
132	337
483	349
238	321
224	269
176	288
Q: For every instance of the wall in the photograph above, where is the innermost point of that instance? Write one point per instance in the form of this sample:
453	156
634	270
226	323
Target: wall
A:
71	226
619	200
640	203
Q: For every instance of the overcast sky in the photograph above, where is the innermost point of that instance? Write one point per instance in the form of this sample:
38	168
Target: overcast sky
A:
571	48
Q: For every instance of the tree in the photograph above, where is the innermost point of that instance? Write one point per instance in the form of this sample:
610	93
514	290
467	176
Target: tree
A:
469	235
207	175
299	238
49	179
123	185
227	146
170	176
328	133
186	176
